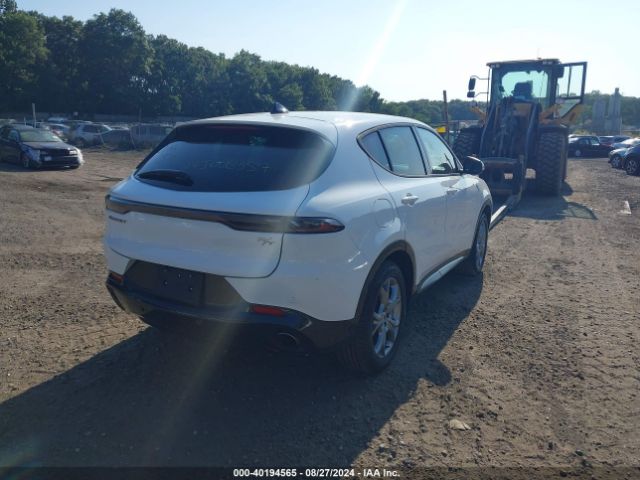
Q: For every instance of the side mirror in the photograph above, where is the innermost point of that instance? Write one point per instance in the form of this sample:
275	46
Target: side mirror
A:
472	84
472	165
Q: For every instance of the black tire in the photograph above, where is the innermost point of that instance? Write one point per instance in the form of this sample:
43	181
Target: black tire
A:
632	166
474	263
552	157
359	354
80	143
467	142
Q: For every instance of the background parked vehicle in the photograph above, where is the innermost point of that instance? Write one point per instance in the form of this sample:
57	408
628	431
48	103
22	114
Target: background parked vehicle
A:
627	143
631	161
118	138
612	139
35	148
60	129
88	134
616	156
587	146
57	119
149	135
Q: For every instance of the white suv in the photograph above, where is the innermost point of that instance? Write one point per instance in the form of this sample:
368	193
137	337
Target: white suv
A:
86	134
318	225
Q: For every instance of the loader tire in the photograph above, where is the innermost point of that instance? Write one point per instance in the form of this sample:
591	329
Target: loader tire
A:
467	142
552	160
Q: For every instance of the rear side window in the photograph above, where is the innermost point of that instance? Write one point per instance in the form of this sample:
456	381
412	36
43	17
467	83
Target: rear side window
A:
373	146
402	150
438	154
237	158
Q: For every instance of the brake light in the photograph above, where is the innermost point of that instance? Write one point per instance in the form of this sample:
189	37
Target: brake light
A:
116	277
267	310
314	225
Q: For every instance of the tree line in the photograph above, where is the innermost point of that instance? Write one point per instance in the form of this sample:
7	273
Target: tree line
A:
109	64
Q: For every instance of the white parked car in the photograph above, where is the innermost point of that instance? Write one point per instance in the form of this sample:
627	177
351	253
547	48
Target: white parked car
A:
85	134
319	225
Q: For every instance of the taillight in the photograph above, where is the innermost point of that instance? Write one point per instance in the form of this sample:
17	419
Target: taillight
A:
313	225
267	310
116	277
238	221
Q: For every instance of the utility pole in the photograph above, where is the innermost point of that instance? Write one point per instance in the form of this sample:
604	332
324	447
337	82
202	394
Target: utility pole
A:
446	115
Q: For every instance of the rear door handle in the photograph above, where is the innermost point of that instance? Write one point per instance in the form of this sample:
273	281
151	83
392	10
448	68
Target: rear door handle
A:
409	199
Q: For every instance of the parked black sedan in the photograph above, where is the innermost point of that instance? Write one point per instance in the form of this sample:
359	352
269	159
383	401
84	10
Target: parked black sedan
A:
35	148
587	146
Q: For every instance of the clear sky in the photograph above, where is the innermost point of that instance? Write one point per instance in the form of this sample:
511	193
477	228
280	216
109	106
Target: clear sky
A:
405	49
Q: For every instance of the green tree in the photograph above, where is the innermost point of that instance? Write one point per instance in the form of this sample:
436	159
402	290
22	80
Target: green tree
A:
116	56
166	80
206	91
8	6
59	77
317	90
248	83
22	49
291	96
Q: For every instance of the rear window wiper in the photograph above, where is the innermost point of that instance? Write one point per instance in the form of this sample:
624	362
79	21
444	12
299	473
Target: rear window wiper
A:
171	176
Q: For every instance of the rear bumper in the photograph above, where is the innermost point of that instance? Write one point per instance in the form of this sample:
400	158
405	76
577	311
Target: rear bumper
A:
318	334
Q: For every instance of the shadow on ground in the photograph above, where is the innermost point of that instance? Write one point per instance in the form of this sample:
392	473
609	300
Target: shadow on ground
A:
15	168
158	400
540	207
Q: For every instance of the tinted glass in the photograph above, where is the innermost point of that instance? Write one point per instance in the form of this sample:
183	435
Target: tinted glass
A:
438	154
239	158
524	85
403	151
373	146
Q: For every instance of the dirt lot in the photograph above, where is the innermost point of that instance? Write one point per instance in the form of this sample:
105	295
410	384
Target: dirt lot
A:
539	357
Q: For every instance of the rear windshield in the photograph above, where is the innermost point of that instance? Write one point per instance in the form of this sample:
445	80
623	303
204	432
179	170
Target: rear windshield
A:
237	158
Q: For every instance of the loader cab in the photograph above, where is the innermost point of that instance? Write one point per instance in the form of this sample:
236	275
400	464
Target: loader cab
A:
557	88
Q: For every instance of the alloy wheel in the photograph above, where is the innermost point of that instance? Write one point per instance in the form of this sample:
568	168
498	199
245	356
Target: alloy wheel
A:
386	317
615	162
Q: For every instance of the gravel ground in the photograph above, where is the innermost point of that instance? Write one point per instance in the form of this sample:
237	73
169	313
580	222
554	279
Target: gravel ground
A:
539	358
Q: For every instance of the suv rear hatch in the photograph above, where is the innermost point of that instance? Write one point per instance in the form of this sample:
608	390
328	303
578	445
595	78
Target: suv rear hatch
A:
217	198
